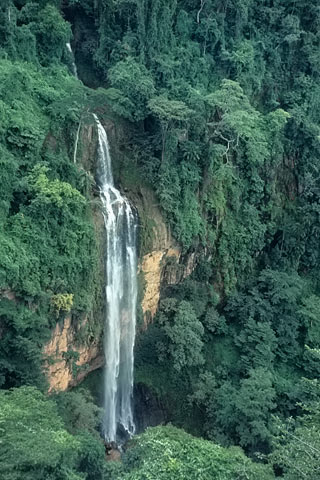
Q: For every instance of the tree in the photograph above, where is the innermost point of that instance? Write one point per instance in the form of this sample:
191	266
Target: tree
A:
169	113
135	84
78	411
184	334
246	411
35	444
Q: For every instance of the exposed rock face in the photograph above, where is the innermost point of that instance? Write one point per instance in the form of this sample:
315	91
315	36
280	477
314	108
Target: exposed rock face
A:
152	266
68	362
162	268
163	264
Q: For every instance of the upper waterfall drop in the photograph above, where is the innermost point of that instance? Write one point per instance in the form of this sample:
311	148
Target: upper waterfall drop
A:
121	296
73	65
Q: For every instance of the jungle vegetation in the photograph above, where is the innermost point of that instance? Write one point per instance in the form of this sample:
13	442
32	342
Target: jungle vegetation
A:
221	103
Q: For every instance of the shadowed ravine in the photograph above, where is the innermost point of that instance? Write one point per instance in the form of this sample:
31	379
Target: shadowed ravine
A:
121	297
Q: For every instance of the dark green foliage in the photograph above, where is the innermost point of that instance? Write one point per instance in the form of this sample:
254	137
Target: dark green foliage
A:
246	411
23	333
91	457
78	411
297	442
183	334
135	87
34	31
254	350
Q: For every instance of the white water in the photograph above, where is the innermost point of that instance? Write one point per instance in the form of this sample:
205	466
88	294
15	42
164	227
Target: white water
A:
74	68
121	297
76	143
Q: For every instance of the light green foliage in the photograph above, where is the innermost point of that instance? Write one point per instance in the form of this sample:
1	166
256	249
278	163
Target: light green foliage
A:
166	452
34	443
62	301
56	193
169	110
238	122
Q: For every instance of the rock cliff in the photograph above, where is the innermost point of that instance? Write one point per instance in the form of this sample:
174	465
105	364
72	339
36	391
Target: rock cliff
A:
163	263
68	361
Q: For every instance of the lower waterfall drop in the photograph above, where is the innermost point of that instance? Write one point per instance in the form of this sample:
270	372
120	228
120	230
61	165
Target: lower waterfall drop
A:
121	297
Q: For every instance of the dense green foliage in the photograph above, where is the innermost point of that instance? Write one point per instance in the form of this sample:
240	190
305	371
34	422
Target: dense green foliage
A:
47	243
220	102
35	443
167	452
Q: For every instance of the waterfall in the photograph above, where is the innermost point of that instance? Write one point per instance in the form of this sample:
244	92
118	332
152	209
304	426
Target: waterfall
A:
121	296
76	143
73	65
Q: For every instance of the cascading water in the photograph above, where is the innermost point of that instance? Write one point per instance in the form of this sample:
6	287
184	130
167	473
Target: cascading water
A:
121	296
73	65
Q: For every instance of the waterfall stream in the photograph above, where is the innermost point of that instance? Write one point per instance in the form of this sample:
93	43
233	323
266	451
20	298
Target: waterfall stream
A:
73	65
121	297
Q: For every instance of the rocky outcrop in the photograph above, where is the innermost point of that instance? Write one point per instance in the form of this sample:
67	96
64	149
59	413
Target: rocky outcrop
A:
162	268
67	361
152	268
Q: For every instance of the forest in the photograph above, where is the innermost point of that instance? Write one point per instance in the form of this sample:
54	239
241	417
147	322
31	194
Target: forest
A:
220	104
